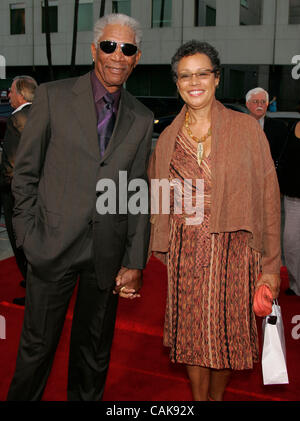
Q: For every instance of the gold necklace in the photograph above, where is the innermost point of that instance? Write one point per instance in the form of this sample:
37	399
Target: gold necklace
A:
200	140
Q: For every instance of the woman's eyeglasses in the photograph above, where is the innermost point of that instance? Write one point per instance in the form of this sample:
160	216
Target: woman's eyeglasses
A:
108	47
201	74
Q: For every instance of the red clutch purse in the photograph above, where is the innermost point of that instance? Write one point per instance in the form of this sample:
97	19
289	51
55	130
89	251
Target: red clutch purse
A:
263	300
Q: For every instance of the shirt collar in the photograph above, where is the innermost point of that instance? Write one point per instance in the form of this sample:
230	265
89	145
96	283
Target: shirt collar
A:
262	122
99	91
21	106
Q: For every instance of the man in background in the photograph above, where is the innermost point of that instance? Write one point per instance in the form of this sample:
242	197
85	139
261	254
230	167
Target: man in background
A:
21	96
257	101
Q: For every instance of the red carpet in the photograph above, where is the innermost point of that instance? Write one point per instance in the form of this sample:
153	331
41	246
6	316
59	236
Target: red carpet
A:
140	369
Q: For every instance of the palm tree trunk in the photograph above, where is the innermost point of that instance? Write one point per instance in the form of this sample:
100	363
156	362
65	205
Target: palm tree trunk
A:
162	13
48	40
102	8
74	42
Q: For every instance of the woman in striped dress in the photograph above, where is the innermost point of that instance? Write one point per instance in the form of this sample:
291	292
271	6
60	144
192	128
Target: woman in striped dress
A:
214	258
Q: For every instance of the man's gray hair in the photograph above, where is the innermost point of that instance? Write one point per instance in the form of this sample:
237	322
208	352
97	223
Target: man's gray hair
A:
117	18
26	86
256	91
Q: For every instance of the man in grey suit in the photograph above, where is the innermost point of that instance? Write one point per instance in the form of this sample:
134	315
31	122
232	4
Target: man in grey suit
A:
21	96
68	146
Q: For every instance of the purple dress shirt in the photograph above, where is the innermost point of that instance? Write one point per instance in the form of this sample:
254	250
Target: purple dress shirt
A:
99	92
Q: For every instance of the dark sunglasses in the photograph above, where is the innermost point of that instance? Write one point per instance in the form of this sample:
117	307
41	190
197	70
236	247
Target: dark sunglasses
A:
109	47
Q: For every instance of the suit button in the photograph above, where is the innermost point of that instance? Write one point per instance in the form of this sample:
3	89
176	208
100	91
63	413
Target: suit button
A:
103	164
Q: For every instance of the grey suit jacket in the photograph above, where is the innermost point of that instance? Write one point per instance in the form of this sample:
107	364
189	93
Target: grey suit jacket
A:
57	168
15	126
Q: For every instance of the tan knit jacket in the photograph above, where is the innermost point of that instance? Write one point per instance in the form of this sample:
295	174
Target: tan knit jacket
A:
245	193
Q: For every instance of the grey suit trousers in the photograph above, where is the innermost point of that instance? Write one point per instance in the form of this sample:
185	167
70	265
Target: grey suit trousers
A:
91	335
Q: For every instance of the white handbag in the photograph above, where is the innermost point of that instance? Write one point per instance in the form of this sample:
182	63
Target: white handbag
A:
274	366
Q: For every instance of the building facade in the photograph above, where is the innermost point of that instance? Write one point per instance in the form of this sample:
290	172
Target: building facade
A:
257	41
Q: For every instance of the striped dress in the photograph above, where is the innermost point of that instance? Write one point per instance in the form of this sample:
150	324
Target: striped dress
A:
209	319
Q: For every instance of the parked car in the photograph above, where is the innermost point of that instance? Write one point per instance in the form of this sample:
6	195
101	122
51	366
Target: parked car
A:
288	117
161	123
5	110
236	107
162	105
4	95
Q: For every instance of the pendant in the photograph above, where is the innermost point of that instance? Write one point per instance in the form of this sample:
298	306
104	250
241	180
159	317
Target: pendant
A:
200	153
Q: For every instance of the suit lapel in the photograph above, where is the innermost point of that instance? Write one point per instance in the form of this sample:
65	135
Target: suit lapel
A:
123	123
84	110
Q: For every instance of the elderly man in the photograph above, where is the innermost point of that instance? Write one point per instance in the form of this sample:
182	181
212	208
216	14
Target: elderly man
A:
21	96
257	101
81	131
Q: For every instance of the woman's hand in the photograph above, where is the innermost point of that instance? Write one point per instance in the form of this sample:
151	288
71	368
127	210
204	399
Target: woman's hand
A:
272	280
128	283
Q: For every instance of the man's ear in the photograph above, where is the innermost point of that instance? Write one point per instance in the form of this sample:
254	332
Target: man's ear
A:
93	51
137	57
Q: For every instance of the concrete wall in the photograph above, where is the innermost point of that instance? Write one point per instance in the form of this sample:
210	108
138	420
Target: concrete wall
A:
272	42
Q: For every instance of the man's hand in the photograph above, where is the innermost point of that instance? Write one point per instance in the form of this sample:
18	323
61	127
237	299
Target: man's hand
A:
128	283
272	280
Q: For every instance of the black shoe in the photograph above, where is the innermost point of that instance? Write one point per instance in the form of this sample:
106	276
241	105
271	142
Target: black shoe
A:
23	284
289	291
19	301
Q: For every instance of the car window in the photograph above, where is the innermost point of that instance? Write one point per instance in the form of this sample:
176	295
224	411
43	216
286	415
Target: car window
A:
5	110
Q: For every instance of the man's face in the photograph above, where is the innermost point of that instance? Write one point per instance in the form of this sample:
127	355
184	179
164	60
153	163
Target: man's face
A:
114	69
15	99
258	105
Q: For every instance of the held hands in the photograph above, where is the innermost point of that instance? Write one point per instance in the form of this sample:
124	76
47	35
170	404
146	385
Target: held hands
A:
272	280
128	283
